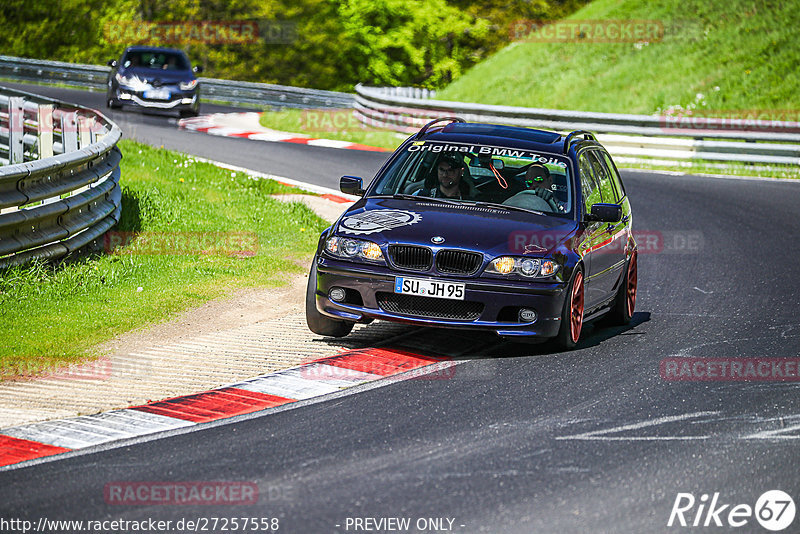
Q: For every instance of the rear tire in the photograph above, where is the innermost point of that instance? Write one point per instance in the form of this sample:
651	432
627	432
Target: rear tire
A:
625	301
317	322
572	314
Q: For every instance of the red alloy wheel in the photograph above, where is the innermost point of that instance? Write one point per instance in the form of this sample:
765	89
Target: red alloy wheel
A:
576	308
632	281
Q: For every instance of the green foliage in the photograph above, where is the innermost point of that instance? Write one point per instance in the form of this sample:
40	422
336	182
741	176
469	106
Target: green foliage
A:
418	42
332	44
733	55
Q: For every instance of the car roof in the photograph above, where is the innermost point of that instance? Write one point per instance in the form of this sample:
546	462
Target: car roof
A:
142	48
512	136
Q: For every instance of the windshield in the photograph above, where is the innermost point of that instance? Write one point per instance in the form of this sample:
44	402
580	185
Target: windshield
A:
155	60
465	172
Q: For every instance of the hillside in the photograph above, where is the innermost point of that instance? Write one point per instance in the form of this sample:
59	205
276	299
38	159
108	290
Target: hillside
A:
718	55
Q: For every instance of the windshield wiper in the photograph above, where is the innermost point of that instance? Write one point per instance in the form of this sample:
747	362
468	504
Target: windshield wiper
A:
403	196
495	205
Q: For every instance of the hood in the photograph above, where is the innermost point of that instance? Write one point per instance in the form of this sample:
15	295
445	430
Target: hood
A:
465	226
165	77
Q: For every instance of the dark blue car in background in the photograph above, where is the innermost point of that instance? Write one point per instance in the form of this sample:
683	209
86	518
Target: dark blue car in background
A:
523	232
154	78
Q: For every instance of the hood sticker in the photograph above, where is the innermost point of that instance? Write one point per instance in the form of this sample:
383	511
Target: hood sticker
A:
372	221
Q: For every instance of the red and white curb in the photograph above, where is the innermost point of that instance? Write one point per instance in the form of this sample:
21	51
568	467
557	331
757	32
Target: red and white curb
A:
319	378
209	124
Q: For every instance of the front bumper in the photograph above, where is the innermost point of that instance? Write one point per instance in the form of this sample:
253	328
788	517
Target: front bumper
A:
496	295
177	99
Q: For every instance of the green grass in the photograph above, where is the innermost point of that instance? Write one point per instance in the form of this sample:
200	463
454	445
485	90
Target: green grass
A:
338	124
736	54
54	315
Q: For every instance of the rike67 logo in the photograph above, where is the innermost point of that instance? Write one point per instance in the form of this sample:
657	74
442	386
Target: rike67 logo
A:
774	510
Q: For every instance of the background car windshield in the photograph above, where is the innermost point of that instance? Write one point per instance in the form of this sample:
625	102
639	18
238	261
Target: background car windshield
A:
482	173
155	60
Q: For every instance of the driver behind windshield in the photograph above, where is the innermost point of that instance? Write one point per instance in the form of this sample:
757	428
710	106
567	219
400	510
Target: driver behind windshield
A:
538	193
538	180
450	181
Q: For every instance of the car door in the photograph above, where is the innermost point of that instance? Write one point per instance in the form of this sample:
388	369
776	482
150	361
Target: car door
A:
613	235
591	246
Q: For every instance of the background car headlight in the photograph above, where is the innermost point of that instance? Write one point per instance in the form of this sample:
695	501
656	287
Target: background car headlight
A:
188	86
527	267
125	80
354	249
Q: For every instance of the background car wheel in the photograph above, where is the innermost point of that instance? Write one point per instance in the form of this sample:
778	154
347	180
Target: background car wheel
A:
318	323
625	301
189	113
572	314
111	104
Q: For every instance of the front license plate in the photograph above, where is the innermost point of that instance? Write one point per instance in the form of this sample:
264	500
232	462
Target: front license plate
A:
429	288
157	94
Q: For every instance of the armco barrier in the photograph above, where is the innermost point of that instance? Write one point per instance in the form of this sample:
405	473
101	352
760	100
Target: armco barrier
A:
638	136
255	94
59	179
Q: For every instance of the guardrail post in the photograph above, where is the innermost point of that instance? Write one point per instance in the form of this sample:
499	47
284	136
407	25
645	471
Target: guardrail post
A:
16	129
84	137
45	130
69	132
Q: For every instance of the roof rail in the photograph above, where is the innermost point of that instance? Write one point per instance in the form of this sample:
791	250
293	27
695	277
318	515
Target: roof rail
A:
449	119
586	136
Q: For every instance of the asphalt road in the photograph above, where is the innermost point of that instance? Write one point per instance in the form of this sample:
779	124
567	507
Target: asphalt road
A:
315	165
518	439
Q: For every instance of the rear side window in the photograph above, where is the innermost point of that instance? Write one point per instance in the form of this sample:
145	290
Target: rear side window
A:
603	178
614	175
591	193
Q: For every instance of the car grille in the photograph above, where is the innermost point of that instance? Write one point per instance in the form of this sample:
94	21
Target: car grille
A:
434	308
458	261
411	257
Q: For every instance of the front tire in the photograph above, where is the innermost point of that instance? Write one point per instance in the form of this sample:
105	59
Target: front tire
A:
317	322
625	301
572	314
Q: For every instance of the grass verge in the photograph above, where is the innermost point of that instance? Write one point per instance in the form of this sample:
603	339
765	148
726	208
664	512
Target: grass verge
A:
190	232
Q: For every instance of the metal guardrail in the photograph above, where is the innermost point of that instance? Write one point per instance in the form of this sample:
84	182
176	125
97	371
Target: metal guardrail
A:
95	77
631	137
59	183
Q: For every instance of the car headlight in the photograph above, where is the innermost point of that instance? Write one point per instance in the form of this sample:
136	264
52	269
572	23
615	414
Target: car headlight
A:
188	86
125	80
354	249
528	267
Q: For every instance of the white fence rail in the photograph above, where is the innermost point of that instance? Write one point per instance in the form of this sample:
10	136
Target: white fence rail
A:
632	137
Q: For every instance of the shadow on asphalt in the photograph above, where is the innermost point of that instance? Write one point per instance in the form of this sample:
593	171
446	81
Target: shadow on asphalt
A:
465	344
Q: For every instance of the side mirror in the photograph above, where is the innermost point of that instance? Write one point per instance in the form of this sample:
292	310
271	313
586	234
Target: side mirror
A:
352	185
197	68
112	63
605	213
